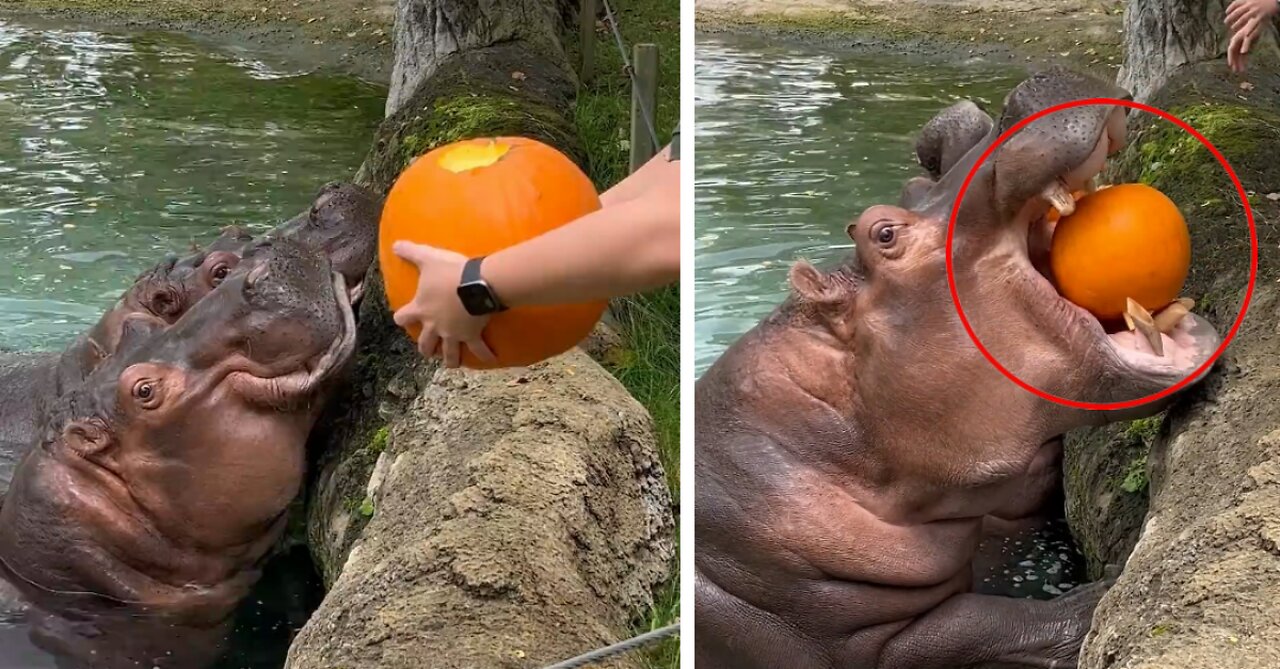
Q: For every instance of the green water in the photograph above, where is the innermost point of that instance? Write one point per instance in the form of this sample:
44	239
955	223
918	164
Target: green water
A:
118	149
793	142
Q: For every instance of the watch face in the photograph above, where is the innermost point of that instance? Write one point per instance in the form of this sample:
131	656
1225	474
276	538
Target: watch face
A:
477	299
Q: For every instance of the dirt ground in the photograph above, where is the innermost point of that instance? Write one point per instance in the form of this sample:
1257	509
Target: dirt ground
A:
1084	33
350	35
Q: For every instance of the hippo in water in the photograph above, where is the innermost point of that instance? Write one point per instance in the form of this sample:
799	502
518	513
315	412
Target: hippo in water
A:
161	483
851	448
342	223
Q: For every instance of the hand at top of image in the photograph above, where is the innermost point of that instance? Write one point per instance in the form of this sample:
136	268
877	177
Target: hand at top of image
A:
1245	19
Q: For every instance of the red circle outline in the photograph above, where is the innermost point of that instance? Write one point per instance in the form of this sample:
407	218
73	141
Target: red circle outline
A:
1253	261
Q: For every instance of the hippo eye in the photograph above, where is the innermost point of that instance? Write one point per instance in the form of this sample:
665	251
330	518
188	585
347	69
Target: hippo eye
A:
885	234
147	392
219	273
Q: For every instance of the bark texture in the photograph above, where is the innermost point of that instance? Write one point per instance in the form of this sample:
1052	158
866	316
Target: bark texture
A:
428	33
480	519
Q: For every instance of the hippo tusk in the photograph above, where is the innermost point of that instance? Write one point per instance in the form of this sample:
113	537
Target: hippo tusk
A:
1140	320
1059	196
1172	315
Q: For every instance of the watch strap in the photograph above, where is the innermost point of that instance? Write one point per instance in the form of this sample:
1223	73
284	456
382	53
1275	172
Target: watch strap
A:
471	270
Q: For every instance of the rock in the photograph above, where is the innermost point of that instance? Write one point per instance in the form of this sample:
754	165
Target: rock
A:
517	524
1106	489
603	342
1202	588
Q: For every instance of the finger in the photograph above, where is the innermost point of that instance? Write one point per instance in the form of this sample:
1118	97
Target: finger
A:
481	350
417	254
1237	12
405	316
428	342
1250	32
451	351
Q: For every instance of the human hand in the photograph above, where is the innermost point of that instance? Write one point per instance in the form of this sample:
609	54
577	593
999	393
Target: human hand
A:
1244	20
446	324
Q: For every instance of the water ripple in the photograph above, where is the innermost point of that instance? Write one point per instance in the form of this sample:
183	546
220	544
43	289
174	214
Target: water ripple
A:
118	149
794	141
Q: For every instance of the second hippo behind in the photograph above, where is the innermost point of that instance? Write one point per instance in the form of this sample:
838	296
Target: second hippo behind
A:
342	223
850	447
161	483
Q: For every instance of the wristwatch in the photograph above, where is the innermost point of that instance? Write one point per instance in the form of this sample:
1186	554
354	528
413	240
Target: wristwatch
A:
476	294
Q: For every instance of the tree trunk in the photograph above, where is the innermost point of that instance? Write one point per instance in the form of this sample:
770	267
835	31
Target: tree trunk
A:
1199	588
481	519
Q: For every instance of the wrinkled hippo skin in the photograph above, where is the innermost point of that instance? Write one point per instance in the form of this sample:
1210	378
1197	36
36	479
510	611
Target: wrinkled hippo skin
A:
852	447
160	484
342	222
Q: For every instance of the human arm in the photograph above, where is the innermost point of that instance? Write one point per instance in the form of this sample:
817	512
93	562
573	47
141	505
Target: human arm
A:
629	245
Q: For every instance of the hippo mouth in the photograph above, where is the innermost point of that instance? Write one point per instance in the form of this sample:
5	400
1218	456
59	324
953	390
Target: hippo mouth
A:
1163	348
285	386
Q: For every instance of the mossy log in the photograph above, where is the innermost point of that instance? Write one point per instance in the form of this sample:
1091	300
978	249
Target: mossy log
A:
481	519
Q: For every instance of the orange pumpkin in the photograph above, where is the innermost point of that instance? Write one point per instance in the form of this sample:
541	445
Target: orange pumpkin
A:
1128	240
477	197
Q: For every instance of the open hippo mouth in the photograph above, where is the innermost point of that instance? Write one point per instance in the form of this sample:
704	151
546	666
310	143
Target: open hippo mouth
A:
284	382
1004	230
1033	174
1172	344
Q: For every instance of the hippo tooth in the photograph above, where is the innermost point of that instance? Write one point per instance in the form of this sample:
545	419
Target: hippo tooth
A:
1170	316
1139	319
1059	196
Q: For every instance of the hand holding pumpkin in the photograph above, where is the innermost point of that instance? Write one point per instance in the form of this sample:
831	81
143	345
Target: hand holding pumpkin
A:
446	324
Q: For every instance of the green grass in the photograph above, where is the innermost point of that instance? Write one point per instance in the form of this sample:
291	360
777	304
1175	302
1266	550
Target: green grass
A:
649	362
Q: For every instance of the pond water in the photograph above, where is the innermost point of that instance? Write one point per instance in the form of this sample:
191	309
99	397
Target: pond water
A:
794	141
117	149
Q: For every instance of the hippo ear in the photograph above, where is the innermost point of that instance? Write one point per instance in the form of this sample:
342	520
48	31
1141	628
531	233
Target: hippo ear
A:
812	286
915	192
98	351
87	436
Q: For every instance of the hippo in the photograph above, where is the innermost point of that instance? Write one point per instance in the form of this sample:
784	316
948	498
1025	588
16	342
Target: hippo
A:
342	223
852	448
160	484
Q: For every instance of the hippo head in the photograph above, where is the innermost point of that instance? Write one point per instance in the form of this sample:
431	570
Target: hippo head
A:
166	475
342	222
892	301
